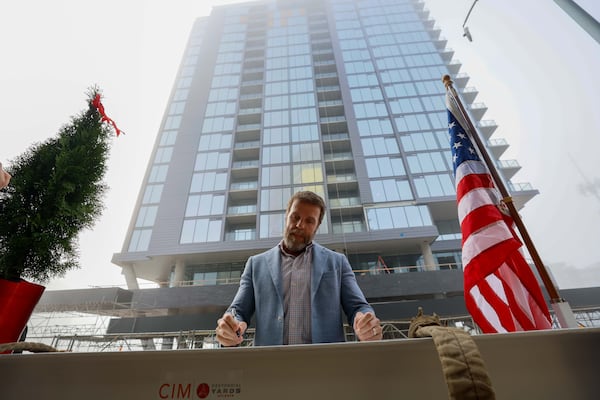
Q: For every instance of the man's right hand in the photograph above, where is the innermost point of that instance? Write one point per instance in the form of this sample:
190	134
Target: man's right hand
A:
230	331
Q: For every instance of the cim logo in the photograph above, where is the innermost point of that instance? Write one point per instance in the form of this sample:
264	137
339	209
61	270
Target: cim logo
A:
202	391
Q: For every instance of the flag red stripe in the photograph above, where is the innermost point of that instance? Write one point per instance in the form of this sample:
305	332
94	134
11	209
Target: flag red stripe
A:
472	181
478	219
487	262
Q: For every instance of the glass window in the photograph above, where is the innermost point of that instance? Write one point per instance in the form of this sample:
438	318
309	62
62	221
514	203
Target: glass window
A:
217	124
271	225
168	138
173	122
276	176
302	100
374	127
370	110
277	103
223	94
307	173
274	199
306	152
276	155
407	105
303	115
205	204
274	118
200	231
366	94
400	90
359	80
215	141
152	194
302	133
276	135
177	108
163	155
359	67
211	160
384	166
181	94
140	240
158	173
398	217
421	141
390	190
379	146
426	162
208	181
415	122
220	108
434	186
146	216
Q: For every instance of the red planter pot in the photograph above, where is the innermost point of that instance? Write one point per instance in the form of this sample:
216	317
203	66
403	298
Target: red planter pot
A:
17	301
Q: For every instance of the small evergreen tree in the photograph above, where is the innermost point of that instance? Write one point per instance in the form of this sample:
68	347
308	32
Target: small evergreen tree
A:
56	190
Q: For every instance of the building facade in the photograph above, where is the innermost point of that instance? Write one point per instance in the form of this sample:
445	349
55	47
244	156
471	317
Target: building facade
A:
341	97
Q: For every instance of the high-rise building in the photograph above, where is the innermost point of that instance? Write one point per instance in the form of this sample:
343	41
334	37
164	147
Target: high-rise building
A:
341	97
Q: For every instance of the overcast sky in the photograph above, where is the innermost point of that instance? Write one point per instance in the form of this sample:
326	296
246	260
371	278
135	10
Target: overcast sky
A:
535	69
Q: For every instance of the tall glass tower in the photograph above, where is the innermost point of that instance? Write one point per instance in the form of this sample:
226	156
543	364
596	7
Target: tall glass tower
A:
342	97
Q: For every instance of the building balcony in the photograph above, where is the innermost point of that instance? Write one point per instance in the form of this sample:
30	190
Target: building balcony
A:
327	79
241	234
460	80
246	150
243	191
254	63
338	156
334	137
245	164
336	183
242	210
341	178
469	94
334	125
447	54
497	146
248	128
250	111
257	82
345	202
486	127
477	110
249	116
252	144
521	193
244	185
323	63
440	43
454	67
251	96
332	119
509	167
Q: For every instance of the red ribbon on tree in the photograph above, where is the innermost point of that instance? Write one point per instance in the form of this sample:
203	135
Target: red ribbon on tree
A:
100	107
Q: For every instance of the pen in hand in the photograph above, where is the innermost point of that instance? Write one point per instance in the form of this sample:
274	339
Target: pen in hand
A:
234	313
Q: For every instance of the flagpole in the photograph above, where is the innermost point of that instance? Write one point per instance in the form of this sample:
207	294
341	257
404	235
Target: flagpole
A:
560	309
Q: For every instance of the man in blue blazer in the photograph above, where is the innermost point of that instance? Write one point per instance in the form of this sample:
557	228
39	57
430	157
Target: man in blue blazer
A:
298	289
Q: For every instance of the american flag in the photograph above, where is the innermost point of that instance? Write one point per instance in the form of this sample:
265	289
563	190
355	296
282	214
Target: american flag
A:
501	292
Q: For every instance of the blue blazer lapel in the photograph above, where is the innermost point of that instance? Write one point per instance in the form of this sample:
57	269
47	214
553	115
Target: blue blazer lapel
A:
274	265
319	259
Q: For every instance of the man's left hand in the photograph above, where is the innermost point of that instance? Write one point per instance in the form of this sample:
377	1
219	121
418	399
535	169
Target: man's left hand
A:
367	327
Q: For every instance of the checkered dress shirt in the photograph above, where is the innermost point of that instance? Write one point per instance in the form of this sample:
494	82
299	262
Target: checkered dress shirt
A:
296	278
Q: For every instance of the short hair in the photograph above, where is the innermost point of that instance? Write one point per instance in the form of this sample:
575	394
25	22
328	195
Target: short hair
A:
309	197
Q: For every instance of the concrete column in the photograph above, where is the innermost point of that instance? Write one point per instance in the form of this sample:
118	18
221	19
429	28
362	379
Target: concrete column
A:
130	277
179	275
429	260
